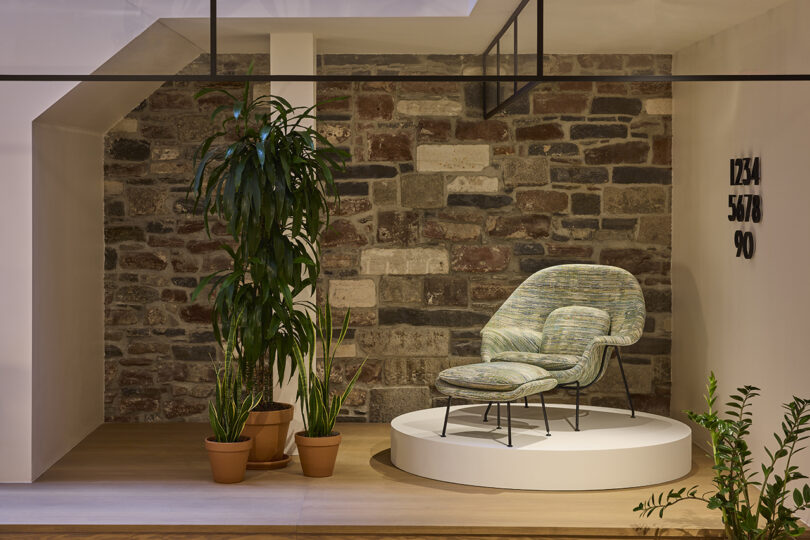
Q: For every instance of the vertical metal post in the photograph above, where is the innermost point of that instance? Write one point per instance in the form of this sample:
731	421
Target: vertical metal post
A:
509	422
626	387
499	415
526	401
576	428
540	38
213	22
545	416
446	416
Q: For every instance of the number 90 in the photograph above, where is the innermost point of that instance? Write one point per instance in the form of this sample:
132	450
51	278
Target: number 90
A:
744	242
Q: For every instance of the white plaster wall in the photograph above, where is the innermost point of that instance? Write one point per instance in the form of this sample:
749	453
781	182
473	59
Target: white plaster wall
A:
746	320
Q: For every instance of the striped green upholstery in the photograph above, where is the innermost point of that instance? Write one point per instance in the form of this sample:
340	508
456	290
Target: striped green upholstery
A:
570	329
524	314
551	362
493	375
528	389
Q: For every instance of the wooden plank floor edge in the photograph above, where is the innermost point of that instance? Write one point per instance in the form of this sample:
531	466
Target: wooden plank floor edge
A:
364	531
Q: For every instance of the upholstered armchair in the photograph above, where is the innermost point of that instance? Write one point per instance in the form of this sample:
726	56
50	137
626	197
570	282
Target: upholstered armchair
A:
603	309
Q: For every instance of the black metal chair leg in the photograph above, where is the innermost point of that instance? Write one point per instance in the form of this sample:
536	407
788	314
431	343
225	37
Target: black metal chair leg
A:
486	412
499	415
509	423
576	428
626	387
545	416
446	415
526	401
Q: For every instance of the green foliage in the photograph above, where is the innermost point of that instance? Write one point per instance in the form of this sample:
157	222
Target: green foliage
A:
319	408
268	173
767	516
230	408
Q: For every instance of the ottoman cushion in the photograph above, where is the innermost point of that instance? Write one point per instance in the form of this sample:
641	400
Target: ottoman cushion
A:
498	376
551	362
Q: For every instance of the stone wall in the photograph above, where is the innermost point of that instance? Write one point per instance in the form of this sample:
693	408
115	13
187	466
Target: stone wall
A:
442	215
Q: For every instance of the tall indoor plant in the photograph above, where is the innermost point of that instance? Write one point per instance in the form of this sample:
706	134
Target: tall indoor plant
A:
752	506
267	173
318	443
228	448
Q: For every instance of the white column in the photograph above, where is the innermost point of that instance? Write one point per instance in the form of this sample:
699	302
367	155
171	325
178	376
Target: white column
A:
293	54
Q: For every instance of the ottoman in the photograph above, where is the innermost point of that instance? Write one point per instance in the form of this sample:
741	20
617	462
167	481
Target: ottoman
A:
495	382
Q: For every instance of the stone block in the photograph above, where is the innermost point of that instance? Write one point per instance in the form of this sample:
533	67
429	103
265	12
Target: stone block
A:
389	147
143	260
400	290
342	232
473	184
588	204
662	150
428	107
481	130
627	152
522	226
432	318
335	132
522	171
428	130
452	157
454	232
635	261
445	291
540	132
366	171
375	107
130	149
655	230
601	61
397	227
480	259
557	149
642	175
196	313
352	293
143	201
384	192
541	201
385	404
399	340
422	191
490	291
479	201
123	233
554	103
378	261
616	105
658	300
350	206
662	106
635	200
579	175
598	131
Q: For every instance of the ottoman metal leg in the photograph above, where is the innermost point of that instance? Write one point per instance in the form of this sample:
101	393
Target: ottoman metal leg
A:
499	416
545	416
509	422
526	401
486	412
577	421
626	388
446	415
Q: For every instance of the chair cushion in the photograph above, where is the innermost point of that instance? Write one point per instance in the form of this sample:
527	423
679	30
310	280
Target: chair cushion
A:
550	362
569	330
514	338
500	376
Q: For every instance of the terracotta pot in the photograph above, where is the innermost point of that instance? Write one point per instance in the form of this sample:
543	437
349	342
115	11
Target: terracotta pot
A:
228	460
268	429
318	454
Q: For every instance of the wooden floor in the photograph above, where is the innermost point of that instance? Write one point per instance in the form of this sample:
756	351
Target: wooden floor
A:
153	481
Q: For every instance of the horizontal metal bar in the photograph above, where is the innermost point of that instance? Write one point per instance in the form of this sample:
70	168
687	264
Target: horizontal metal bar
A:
508	101
505	26
407	78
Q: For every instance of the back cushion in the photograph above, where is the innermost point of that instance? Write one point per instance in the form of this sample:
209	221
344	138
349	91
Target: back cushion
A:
569	330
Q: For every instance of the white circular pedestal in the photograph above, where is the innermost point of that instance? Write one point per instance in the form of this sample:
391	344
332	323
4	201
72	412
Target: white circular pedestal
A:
611	450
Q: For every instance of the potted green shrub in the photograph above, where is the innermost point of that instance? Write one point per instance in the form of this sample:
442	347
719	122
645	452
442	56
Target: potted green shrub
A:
319	442
267	174
752	506
228	448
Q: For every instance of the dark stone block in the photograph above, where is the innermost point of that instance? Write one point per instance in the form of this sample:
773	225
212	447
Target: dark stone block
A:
130	149
110	259
367	171
114	208
398	227
598	131
157	227
580	223
658	301
625	152
615	105
532	265
651	345
194	353
351	189
539	132
439	317
111	351
554	149
585	204
480	201
619	224
579	175
405	167
529	249
642	175
185	281
445	291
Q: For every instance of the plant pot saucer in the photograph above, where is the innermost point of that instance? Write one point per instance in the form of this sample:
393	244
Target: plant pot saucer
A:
269	465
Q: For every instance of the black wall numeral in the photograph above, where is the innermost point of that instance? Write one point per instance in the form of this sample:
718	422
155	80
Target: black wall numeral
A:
744	207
